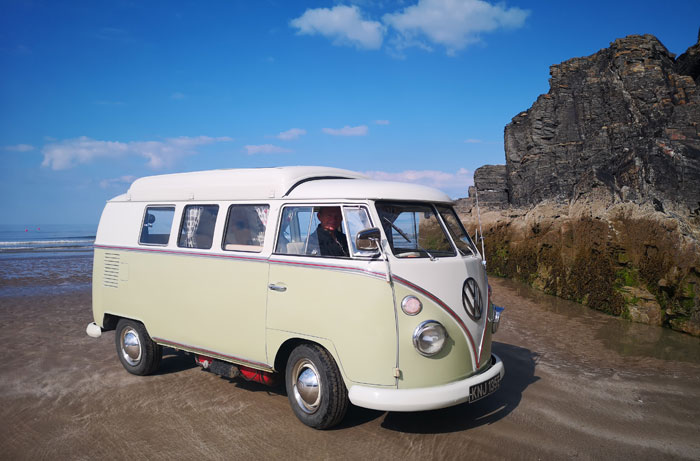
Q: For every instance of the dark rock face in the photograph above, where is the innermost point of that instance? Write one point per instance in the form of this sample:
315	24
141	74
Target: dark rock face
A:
490	183
689	63
492	187
625	120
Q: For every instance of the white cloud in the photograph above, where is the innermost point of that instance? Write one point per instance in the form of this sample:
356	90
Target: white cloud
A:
381	122
177	96
68	153
293	133
473	141
452	23
120	181
454	184
265	149
347	131
342	24
19	148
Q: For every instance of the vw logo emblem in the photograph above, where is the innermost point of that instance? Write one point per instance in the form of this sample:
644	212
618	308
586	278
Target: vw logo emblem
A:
471	299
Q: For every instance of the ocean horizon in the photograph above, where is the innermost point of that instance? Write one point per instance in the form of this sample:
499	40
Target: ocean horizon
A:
19	240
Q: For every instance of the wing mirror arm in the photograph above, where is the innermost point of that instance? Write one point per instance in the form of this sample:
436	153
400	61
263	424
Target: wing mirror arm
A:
371	240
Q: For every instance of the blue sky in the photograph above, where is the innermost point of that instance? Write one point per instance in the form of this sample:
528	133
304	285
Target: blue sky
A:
95	94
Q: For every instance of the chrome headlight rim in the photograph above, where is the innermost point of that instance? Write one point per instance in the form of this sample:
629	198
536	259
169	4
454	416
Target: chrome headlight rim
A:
497	314
422	328
404	305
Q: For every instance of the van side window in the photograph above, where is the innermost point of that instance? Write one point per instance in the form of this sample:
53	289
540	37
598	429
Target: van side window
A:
306	230
245	227
357	220
295	228
156	225
197	229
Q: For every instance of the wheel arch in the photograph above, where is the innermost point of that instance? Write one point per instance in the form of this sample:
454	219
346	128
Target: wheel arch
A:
109	322
285	351
289	344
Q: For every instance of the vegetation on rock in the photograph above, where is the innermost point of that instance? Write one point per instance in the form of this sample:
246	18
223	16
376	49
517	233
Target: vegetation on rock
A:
627	260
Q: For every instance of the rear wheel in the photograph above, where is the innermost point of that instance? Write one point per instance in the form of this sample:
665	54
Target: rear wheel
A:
137	352
315	388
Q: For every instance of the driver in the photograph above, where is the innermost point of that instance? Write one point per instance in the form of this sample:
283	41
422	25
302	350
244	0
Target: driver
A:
327	240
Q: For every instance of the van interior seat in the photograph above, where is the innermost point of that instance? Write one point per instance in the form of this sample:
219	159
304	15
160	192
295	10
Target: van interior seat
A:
295	248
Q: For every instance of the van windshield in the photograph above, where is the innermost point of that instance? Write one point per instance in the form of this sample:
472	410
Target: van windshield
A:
414	230
459	235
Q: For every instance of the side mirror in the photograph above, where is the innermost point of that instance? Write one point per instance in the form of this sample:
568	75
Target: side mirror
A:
368	239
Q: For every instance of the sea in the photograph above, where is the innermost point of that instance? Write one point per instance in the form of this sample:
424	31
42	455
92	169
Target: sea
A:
45	259
44	240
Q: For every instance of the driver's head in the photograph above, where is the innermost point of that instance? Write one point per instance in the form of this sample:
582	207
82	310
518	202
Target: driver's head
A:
330	217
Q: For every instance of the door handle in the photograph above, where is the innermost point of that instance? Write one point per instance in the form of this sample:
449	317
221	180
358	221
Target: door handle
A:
274	287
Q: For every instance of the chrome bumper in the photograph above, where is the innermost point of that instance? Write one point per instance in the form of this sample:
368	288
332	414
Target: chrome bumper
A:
424	398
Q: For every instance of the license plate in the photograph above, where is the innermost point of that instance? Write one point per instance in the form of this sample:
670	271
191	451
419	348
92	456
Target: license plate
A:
481	390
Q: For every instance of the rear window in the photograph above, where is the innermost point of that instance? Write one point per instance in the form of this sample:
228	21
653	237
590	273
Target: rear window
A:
197	230
157	222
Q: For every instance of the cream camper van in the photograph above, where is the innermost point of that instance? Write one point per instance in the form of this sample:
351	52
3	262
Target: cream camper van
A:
350	290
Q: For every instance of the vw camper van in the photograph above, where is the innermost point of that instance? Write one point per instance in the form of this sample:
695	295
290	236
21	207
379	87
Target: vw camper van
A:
348	289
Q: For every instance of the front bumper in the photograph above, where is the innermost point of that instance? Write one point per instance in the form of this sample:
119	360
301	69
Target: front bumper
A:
424	398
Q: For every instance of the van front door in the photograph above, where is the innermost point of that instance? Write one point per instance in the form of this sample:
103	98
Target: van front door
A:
321	290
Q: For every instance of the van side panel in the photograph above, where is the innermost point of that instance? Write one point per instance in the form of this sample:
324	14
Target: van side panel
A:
353	309
207	303
119	227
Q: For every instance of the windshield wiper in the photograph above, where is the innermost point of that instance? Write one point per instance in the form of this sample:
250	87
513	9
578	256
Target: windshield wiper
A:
432	258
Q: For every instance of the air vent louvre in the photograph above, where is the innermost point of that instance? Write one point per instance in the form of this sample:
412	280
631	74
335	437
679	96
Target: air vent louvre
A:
111	273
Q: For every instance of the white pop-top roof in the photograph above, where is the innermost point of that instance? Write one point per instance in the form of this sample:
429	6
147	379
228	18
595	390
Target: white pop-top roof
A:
298	182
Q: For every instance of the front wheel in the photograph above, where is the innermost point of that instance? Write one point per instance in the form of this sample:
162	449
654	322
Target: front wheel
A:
315	388
137	352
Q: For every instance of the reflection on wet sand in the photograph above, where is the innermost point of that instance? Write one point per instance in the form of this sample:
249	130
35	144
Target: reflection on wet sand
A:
618	335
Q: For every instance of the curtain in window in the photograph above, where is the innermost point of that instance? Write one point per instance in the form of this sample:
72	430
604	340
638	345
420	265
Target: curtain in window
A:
194	213
262	212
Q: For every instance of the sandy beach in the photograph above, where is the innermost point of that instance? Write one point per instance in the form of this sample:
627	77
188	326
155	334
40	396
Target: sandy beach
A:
578	384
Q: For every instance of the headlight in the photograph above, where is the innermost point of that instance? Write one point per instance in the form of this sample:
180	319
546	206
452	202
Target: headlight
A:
429	337
411	305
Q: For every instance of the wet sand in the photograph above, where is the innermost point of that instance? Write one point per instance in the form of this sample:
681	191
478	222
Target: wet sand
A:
578	384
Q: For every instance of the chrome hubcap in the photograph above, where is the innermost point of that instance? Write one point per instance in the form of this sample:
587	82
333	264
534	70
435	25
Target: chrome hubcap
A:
307	388
131	346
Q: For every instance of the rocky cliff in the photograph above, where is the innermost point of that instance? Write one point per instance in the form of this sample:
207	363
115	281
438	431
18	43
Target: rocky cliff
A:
626	119
599	199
